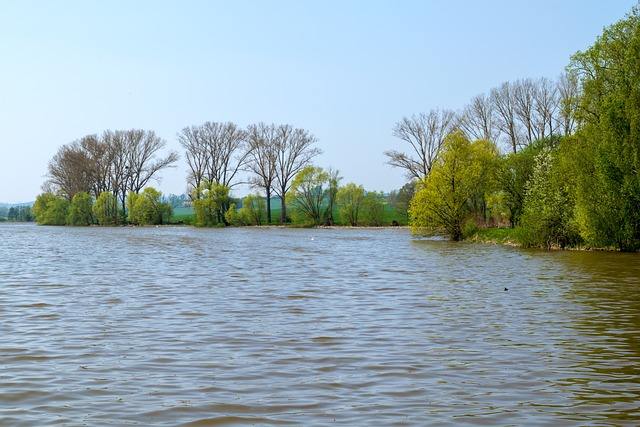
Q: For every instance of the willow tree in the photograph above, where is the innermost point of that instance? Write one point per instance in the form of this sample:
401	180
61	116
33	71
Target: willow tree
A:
607	149
443	201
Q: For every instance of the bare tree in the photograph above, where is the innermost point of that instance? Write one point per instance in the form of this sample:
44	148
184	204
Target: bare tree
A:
196	154
143	164
523	98
227	153
477	120
425	134
118	161
546	106
293	151
261	141
69	170
503	101
215	153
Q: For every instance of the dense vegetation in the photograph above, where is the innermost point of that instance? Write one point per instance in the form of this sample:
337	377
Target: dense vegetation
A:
567	175
572	178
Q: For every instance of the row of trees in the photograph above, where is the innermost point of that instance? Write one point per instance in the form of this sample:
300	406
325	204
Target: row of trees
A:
272	155
513	115
144	208
120	162
572	175
21	213
314	198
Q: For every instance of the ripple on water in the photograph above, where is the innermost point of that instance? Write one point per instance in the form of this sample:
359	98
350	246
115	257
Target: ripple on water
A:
181	326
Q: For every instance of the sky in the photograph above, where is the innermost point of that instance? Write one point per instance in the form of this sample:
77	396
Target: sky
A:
346	71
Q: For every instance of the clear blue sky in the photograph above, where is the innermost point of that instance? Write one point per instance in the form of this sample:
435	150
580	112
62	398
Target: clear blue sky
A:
345	70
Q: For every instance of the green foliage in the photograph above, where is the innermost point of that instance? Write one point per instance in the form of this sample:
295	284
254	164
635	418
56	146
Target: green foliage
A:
547	218
401	199
350	202
22	213
460	175
147	208
210	203
312	195
105	209
608	163
80	210
373	208
253	210
50	209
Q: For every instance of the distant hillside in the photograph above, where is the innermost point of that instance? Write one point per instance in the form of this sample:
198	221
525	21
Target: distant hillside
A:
10	205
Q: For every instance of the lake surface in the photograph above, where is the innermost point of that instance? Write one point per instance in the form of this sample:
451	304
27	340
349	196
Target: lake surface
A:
359	327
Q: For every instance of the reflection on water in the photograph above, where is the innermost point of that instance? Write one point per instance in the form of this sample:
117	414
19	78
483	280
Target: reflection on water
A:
195	327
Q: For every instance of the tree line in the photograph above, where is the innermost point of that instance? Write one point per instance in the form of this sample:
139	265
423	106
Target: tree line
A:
21	213
103	179
570	175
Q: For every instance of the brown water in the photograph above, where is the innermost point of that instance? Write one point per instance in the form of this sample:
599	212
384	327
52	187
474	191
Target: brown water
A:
199	327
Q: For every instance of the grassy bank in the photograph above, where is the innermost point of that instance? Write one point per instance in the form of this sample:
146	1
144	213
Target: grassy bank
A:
496	236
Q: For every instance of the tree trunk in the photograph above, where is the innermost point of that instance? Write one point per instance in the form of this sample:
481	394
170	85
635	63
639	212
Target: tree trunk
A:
283	217
268	191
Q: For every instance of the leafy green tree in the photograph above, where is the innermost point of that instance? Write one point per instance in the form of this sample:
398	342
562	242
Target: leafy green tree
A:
132	213
232	216
547	218
350	202
607	178
253	210
80	210
311	193
443	199
210	202
148	208
105	209
486	156
51	209
401	199
373	208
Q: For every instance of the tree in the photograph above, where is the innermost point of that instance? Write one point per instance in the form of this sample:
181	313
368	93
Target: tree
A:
477	120
425	134
401	199
310	194
261	140
215	152
373	208
567	102
148	208
105	209
51	209
210	204
350	202
504	103
293	151
608	112
80	210
115	161
547	218
252	211
442	200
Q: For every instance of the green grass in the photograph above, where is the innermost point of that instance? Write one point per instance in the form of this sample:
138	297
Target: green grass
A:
498	236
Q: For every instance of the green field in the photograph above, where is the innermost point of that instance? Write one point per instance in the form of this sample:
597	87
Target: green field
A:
184	215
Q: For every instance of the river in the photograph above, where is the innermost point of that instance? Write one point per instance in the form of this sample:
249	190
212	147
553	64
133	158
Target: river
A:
178	326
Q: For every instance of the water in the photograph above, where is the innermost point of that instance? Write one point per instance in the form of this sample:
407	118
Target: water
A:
200	327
